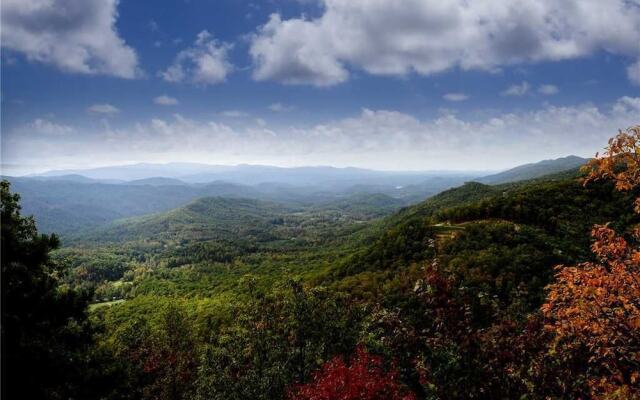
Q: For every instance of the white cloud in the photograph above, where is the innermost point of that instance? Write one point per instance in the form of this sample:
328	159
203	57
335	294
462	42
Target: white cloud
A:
46	127
517	90
390	37
279	107
74	35
380	139
294	52
234	114
103	109
633	72
165	100
626	105
455	97
548	90
205	63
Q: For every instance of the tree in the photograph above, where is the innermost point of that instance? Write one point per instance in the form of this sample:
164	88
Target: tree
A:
276	339
596	305
171	357
620	162
159	352
363	378
45	333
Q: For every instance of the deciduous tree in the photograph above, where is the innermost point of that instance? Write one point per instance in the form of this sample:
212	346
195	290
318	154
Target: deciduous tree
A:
596	305
364	377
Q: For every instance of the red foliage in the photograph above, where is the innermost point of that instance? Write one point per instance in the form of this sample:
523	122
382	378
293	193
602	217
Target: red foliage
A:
363	378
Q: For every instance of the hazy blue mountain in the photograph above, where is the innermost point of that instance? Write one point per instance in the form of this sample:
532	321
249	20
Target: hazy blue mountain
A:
535	170
67	206
69	202
140	171
157	181
257	174
77	178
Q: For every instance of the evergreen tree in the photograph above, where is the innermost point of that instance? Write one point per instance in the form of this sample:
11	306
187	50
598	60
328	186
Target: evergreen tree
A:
44	327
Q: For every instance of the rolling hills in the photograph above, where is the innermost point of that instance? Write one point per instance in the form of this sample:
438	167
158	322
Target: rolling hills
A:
71	202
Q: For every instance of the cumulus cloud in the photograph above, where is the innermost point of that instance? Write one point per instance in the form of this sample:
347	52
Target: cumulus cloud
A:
165	100
383	139
517	89
204	63
294	52
455	97
548	90
107	109
390	37
74	35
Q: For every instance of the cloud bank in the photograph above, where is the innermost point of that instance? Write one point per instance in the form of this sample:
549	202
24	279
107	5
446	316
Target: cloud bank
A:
381	139
393	37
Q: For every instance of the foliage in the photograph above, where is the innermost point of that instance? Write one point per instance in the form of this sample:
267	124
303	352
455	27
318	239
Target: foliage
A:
45	335
317	299
363	378
277	340
595	305
620	162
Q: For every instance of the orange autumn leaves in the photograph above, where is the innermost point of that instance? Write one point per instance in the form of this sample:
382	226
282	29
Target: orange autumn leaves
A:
595	306
620	162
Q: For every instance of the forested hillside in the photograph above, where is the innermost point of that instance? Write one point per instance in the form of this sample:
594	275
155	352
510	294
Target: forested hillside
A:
455	297
70	204
535	170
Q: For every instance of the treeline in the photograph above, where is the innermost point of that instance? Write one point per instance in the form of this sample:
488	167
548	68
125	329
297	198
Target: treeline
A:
503	297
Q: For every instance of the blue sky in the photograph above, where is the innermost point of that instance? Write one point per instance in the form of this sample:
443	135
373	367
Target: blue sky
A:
380	84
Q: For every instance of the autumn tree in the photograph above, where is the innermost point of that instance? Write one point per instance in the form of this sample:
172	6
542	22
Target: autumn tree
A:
620	162
596	305
363	377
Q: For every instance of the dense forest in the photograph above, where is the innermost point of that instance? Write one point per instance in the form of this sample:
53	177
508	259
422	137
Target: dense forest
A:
523	289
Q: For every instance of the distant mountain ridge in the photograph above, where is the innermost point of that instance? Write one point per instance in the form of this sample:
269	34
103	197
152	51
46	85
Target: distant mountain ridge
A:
190	173
534	170
254	174
158	181
69	203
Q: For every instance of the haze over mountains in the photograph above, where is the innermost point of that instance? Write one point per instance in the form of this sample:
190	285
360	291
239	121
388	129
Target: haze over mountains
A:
75	201
534	170
250	174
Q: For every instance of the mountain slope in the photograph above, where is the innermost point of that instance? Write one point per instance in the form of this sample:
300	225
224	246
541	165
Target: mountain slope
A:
68	207
558	212
208	218
534	170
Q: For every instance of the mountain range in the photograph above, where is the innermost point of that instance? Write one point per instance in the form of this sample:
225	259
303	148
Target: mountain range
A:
74	201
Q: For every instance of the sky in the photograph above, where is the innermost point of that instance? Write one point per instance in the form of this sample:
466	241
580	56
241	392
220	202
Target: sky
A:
381	84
